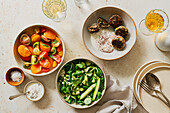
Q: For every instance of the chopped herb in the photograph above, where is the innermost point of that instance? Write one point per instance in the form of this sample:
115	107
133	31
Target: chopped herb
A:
51	57
55	41
42	58
44	45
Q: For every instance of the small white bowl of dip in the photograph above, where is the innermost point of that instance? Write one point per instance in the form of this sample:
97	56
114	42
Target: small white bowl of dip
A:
35	90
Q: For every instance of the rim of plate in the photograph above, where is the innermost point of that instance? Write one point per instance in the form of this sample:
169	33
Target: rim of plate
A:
149	67
63	45
154	68
136	75
144	68
122	11
136	90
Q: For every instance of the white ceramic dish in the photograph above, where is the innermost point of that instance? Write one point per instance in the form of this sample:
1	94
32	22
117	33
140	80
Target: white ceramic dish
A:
135	79
107	12
147	67
29	30
141	96
138	76
150	103
145	70
33	82
77	105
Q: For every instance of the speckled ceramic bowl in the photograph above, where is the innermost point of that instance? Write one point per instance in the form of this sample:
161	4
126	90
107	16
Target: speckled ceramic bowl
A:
29	30
73	104
106	13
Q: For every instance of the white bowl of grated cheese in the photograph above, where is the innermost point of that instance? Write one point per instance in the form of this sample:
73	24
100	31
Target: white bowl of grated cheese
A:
91	40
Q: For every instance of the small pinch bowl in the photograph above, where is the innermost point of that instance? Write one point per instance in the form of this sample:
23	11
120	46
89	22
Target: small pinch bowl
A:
30	30
77	106
8	76
106	13
30	82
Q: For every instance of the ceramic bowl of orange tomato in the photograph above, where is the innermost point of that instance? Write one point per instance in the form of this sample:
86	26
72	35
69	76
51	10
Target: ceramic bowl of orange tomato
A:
39	50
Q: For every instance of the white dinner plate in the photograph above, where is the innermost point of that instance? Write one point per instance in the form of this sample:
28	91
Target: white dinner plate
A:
152	104
134	84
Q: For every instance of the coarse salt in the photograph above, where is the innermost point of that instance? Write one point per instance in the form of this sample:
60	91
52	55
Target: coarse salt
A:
102	40
16	76
36	91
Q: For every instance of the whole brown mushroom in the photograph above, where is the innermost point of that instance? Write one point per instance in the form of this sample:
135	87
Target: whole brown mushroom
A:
121	31
103	23
118	42
115	21
94	28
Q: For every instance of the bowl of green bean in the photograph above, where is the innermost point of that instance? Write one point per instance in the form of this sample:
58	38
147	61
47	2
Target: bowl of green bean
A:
81	83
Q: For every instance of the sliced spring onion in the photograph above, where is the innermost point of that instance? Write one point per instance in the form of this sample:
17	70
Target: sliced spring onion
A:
87	100
96	89
34	59
87	91
27	65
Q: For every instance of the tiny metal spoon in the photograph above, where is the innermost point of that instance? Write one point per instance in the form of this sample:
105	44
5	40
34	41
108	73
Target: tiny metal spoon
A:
154	83
15	96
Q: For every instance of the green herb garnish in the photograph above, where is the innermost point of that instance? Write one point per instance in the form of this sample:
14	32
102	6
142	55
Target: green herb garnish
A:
42	58
45	45
55	41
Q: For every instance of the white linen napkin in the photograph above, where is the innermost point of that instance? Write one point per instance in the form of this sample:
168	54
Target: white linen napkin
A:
117	99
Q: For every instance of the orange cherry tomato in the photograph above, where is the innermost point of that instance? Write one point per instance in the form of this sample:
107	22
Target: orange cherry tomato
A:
56	42
42	29
26	58
51	60
59	48
24	51
35	38
45	47
50	34
60	53
36	68
45	63
31	49
57	58
43	55
45	69
59	41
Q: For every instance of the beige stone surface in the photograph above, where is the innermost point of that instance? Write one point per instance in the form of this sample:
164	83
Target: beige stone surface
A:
18	14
